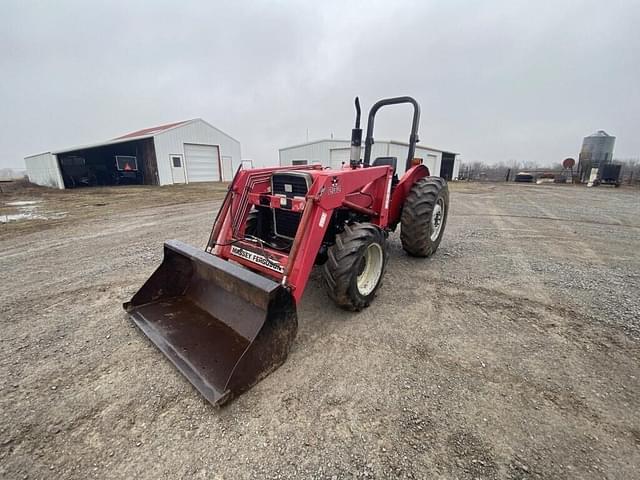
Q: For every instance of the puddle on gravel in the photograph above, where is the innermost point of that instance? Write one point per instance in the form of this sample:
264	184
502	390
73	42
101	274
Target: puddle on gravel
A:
28	210
23	203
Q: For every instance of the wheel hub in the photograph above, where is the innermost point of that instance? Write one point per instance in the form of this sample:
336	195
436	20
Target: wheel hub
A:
370	269
436	219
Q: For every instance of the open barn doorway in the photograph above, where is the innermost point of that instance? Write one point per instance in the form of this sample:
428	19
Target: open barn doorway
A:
124	163
447	165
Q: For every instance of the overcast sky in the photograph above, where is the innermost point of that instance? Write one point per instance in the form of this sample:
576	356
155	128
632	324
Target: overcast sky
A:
497	80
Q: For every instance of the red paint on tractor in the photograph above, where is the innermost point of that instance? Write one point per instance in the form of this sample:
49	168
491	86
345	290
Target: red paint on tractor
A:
226	316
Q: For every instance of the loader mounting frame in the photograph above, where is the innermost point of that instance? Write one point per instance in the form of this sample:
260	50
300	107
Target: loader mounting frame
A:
366	191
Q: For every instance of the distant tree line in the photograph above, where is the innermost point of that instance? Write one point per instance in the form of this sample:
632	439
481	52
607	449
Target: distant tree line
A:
630	170
11	173
506	171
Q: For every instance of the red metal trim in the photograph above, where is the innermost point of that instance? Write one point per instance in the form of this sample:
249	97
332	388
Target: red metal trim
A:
297	203
302	227
220	219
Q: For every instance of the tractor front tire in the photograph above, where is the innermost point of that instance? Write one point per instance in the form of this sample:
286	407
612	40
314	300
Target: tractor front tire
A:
424	216
355	266
251	226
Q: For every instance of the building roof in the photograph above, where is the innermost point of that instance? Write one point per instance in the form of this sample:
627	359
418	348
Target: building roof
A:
137	135
312	142
152	130
348	142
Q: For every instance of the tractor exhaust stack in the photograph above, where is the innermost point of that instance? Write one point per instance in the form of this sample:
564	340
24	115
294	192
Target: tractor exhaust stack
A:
356	139
222	326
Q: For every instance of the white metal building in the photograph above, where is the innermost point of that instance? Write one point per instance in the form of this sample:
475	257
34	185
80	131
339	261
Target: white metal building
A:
333	153
182	152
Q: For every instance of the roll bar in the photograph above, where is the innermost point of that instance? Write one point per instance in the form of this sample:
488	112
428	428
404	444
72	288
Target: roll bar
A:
413	138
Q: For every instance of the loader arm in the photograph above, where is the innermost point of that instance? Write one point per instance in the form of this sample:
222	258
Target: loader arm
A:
331	190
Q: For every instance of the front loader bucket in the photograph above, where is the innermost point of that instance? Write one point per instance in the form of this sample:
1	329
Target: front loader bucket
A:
224	327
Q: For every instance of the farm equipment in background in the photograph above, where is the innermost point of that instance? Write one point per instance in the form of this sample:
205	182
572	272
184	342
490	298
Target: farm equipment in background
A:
78	171
609	174
226	316
75	172
126	172
524	177
545	177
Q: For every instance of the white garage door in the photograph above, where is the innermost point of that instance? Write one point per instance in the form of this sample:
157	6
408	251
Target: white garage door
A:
202	163
338	156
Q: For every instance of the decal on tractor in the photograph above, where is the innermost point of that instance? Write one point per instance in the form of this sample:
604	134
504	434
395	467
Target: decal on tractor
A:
334	188
257	258
323	219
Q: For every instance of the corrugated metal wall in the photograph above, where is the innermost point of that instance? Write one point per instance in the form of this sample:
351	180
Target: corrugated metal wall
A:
430	158
43	170
338	156
321	152
456	169
343	154
198	132
316	152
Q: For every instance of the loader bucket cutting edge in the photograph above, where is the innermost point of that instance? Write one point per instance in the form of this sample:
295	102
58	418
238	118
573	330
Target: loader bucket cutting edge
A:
224	327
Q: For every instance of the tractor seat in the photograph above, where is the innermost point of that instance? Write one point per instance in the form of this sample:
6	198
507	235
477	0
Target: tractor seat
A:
392	161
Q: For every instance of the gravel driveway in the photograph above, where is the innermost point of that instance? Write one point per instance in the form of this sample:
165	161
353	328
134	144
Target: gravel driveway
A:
512	353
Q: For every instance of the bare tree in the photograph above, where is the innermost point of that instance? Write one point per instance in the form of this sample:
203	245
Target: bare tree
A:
630	172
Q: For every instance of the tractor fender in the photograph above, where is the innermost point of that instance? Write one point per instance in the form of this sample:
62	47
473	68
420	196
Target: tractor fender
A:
401	191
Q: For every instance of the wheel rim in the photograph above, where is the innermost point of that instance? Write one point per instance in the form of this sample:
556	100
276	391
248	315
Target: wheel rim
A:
370	269
437	218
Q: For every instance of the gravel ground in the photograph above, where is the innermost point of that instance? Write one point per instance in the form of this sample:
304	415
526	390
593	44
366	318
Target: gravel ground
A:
512	353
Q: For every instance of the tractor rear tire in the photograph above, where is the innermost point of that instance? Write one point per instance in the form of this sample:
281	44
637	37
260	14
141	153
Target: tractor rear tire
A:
355	266
424	216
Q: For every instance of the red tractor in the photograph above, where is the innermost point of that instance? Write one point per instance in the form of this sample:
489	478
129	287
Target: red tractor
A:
226	316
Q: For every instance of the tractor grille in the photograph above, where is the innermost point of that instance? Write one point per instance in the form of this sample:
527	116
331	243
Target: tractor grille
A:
290	184
286	222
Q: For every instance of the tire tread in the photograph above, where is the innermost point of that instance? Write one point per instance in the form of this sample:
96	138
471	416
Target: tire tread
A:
341	259
416	216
